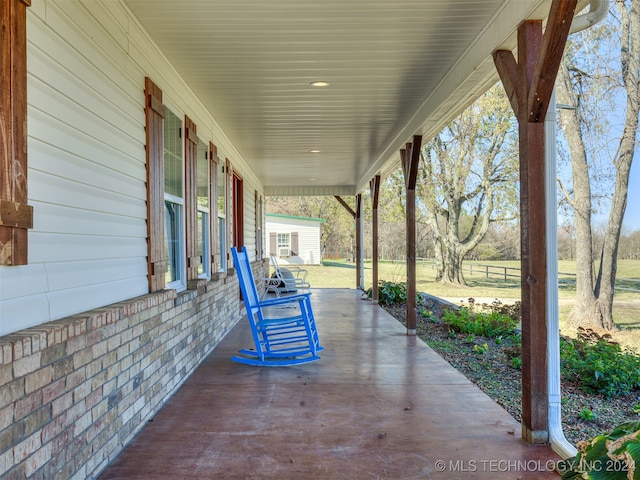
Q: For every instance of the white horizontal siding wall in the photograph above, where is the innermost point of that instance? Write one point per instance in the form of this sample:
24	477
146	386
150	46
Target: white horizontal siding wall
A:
308	238
87	61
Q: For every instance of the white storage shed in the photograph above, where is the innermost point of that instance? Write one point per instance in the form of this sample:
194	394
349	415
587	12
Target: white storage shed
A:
294	239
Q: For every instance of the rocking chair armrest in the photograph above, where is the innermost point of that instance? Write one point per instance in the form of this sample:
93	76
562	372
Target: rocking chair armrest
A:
284	300
271	281
300	273
295	283
295	268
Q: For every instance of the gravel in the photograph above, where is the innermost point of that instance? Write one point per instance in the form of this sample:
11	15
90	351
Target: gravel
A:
488	364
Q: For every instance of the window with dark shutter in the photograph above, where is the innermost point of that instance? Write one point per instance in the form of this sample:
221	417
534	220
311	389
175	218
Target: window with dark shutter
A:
16	217
294	244
154	109
205	226
191	197
238	211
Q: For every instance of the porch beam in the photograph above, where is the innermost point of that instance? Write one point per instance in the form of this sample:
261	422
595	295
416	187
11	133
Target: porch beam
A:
529	85
374	188
345	205
410	156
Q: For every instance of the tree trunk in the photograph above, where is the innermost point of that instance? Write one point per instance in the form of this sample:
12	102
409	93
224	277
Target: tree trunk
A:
594	296
584	310
452	271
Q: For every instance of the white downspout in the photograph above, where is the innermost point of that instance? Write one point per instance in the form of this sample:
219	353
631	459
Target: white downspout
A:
558	441
597	11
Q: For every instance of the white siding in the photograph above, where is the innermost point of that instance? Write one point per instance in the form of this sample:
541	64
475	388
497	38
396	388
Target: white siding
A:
87	61
308	238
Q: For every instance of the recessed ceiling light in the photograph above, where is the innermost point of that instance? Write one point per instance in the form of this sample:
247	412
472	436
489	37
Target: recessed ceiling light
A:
315	150
320	83
313	179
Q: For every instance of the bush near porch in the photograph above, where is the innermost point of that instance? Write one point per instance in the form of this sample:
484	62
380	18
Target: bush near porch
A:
600	379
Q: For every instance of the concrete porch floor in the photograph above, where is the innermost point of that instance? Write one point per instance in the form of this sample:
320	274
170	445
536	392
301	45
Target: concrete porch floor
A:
378	405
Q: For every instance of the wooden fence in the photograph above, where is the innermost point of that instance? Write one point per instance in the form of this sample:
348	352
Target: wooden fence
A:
506	273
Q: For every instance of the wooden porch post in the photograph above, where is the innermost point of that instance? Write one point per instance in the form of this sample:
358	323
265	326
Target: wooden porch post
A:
359	263
410	156
529	84
374	187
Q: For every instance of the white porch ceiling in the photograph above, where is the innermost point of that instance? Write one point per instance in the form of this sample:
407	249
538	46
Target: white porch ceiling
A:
396	68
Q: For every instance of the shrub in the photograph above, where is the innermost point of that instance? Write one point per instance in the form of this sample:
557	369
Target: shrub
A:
587	415
492	324
599	364
393	292
612	456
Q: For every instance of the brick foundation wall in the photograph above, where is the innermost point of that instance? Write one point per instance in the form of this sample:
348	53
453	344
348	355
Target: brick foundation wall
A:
75	391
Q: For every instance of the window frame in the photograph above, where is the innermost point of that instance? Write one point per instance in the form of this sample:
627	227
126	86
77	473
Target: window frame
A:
180	264
180	283
204	227
282	243
216	169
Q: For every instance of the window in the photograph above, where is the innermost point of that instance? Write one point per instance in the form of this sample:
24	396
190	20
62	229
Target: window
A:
173	202
204	229
284	244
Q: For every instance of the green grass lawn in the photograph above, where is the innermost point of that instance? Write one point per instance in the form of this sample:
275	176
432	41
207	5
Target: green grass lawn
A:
340	274
626	313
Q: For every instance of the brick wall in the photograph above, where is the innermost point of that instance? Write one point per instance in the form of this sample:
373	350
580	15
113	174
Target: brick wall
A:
75	391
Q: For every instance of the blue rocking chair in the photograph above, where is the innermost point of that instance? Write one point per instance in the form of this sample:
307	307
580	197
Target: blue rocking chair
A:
279	340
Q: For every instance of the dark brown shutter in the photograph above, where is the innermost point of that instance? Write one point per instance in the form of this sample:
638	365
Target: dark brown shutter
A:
294	244
154	110
238	211
191	196
273	239
16	217
256	209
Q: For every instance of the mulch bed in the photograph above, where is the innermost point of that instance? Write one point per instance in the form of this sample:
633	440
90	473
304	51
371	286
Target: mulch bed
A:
488	364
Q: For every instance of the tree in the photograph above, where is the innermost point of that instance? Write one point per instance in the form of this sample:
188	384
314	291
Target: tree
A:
586	77
468	179
392	228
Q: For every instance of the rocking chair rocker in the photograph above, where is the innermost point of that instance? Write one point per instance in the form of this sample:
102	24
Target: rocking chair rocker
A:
279	340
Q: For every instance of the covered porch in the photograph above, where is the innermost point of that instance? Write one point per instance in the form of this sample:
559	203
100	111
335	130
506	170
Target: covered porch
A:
379	404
